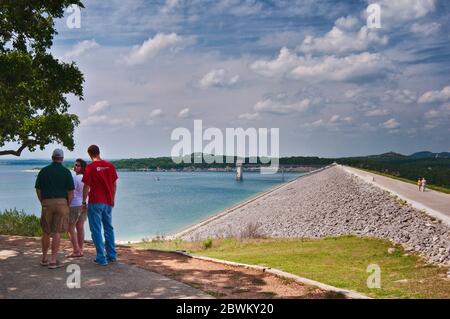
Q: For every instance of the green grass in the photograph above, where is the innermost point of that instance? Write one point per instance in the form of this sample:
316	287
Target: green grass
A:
340	261
17	223
409	181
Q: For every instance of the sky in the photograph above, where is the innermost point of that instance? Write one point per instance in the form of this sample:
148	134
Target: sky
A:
312	68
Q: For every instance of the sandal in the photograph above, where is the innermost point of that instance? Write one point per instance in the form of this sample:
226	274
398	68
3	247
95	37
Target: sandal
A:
74	256
55	265
44	263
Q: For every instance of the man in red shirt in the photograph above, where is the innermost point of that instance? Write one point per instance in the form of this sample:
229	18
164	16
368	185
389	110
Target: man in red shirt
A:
100	185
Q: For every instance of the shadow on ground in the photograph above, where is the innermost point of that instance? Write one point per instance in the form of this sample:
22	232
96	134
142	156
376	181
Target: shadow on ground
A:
22	276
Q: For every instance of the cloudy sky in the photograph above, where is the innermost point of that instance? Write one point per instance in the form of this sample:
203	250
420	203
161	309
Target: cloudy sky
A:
312	68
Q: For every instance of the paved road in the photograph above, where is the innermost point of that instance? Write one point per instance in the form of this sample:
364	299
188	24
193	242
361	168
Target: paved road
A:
434	203
21	276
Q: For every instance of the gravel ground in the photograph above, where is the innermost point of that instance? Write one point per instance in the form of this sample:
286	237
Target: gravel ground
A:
332	203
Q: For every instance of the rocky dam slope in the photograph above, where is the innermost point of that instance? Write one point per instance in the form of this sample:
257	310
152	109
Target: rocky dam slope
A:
332	202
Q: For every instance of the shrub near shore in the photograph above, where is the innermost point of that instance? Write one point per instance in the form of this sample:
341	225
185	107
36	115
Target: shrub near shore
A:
18	223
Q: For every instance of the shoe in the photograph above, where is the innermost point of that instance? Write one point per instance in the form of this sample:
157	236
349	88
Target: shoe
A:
44	263
111	260
99	263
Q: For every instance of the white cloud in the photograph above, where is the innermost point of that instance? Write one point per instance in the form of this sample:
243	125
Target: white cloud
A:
433	113
391	124
81	48
151	47
399	11
150	118
249	116
326	68
353	93
98	107
341	38
425	29
342	69
156	113
317	123
436	96
184	113
437	117
238	7
218	78
334	123
334	118
346	23
170	5
281	38
377	112
100	120
285	62
400	96
280	105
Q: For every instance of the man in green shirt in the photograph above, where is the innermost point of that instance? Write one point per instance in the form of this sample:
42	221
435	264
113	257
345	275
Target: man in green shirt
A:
54	189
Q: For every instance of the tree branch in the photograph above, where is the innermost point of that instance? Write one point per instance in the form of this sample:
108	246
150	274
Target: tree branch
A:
18	152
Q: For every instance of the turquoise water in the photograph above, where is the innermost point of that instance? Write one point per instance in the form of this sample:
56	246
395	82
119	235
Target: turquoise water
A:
144	205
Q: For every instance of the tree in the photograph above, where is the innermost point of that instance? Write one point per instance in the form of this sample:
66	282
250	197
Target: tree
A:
34	84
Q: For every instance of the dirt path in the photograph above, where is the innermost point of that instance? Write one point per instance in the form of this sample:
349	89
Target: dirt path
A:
138	274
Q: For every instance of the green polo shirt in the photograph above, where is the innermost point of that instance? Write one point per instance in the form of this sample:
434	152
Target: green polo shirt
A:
54	181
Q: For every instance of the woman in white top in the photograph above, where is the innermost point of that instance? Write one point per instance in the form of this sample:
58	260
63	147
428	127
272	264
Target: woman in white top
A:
77	217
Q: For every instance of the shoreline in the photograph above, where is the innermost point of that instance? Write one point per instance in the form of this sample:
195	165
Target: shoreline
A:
226	211
241	204
217	214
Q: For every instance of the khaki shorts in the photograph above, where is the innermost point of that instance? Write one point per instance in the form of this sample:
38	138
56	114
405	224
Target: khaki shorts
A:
55	216
74	214
77	214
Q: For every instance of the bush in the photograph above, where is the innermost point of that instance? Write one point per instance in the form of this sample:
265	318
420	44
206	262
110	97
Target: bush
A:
18	223
251	230
207	243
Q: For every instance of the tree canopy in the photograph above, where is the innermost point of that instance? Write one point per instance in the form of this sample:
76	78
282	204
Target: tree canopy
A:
33	84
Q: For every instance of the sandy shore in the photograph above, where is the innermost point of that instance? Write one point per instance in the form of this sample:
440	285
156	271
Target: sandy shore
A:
331	202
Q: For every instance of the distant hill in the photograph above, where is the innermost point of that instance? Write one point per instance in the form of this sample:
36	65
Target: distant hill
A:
387	155
434	166
430	155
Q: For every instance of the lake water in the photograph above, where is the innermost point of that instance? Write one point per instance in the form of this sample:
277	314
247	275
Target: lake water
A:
144	205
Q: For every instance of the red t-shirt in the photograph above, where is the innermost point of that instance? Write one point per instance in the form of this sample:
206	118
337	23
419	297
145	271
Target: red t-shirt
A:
100	176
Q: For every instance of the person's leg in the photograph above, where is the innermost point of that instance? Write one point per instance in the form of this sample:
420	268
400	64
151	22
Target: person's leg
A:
109	233
56	240
95	225
74	214
46	222
80	234
74	240
45	245
59	225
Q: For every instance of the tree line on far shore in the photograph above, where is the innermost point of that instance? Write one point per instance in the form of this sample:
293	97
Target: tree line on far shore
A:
434	168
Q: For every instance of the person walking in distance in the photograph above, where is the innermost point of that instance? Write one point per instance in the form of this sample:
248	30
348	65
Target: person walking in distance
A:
419	183
424	184
100	184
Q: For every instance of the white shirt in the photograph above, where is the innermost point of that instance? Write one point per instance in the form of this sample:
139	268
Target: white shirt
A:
78	191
